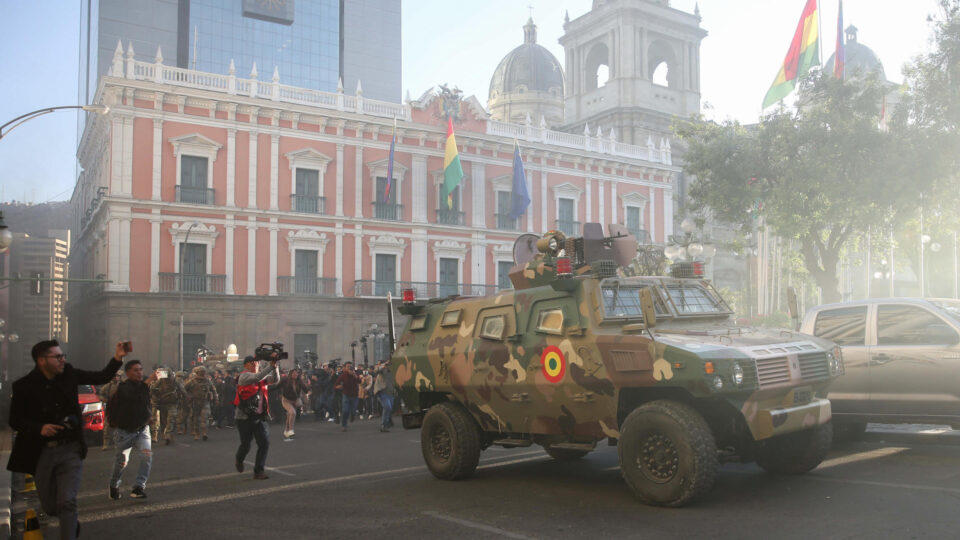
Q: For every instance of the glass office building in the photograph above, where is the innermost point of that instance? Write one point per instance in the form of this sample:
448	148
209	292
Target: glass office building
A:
300	37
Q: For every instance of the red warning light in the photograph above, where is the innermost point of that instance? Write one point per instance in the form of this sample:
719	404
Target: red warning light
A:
408	296
564	266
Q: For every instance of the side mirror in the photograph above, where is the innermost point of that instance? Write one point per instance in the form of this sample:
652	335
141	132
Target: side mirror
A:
647	307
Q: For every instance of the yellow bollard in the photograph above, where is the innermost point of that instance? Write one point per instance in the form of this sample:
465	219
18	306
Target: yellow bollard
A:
28	484
31	526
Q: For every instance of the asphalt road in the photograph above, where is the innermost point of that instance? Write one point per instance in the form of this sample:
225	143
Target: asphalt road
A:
367	484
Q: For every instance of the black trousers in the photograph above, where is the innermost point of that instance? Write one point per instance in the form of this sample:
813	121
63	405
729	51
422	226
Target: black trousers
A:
250	429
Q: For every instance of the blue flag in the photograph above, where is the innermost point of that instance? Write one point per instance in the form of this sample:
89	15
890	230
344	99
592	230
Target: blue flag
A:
520	199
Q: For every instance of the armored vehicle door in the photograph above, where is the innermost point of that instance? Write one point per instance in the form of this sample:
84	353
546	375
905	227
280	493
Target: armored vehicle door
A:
500	377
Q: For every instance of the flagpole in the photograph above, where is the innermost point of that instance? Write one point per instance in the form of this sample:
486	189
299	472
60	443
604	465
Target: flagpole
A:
819	36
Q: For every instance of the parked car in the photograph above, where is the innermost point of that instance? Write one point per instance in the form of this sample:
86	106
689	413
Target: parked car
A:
92	410
902	360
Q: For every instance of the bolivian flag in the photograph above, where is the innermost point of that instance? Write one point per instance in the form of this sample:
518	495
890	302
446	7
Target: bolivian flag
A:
452	171
803	54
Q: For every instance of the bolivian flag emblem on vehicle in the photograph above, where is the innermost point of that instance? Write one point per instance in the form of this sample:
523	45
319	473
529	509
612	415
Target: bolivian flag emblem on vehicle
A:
554	364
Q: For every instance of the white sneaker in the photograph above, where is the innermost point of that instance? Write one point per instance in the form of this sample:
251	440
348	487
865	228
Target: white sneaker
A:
286	434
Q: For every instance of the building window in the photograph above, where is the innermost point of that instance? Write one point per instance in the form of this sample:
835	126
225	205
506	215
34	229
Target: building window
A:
448	276
451	215
503	275
193	181
386	274
566	217
634	223
303	344
387	208
306	197
193	275
305	272
504	203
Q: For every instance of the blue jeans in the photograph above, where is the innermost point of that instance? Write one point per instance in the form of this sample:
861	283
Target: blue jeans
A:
249	429
348	407
125	441
386	401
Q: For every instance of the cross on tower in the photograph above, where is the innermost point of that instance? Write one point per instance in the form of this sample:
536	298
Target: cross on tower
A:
530	7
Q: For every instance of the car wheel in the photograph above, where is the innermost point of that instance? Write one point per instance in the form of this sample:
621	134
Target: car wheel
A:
795	453
450	441
667	453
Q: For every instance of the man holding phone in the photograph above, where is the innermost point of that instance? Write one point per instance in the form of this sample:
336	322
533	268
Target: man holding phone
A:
45	412
131	417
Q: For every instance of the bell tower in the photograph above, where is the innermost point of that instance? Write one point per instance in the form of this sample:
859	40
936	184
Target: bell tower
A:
632	66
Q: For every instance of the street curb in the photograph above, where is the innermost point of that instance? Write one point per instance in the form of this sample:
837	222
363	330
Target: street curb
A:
6	498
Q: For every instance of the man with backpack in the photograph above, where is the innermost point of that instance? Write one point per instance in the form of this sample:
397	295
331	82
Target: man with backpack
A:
253	410
202	393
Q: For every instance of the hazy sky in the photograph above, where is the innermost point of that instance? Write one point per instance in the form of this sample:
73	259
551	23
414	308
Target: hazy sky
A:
739	58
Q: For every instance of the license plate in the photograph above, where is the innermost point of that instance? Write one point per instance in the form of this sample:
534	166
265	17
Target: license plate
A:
801	396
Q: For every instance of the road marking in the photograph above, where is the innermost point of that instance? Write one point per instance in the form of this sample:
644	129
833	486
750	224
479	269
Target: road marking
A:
272	469
885	484
614	468
192	479
479	526
186	503
862	456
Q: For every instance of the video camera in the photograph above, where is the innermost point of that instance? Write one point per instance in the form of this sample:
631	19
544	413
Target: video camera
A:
266	350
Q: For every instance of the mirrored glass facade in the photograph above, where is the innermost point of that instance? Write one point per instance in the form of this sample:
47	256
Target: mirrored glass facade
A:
306	51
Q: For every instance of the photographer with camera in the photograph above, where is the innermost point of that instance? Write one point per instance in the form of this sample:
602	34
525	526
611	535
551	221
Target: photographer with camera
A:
253	409
129	412
45	413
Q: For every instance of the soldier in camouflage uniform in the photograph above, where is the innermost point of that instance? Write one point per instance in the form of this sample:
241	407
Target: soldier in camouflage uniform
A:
106	391
165	394
202	393
183	413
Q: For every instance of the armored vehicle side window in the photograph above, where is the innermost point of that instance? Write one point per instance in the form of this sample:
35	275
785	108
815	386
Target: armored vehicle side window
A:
550	321
418	323
450	318
844	326
910	325
493	327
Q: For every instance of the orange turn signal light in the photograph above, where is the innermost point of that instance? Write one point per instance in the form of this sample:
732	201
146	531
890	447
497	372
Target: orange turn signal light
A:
709	368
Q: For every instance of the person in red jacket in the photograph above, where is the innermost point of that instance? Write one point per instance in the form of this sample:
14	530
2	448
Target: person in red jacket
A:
253	410
349	384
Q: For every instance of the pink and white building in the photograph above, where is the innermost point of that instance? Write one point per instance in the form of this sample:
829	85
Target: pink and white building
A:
280	190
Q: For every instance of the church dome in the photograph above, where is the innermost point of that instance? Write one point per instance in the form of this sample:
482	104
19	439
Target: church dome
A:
528	68
859	57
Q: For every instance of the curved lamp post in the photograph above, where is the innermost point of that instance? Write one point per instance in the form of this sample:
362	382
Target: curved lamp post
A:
100	109
180	280
687	246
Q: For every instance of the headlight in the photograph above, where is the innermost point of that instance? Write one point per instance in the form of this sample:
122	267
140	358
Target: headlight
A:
835	357
717	383
737	374
92	407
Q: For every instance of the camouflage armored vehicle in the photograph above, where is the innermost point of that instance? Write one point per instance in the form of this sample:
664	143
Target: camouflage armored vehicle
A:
575	354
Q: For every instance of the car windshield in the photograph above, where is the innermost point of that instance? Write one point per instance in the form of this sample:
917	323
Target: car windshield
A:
85	389
952	308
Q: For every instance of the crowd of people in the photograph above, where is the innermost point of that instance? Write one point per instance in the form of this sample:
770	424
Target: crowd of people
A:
143	411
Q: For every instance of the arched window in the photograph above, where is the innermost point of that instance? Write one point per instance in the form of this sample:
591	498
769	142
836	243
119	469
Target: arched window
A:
598	70
662	65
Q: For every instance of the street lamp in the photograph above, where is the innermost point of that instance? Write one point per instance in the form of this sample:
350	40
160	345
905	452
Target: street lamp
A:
688	246
180	279
99	109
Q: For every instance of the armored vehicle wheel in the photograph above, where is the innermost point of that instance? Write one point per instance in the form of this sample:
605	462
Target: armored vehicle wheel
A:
565	454
795	453
450	441
667	453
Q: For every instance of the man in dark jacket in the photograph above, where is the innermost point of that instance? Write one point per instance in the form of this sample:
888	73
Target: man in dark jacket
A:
131	414
45	412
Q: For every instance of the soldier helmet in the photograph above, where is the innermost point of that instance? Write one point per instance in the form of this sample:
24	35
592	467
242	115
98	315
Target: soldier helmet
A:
200	371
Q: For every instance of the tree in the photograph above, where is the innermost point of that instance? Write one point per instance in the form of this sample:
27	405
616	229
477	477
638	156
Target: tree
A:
819	174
